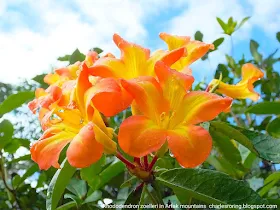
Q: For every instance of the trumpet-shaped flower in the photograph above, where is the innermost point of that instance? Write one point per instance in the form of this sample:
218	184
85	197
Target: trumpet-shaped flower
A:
168	112
243	89
195	50
82	126
108	96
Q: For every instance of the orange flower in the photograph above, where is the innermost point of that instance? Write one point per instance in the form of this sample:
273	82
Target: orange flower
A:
108	95
243	89
62	82
169	113
195	50
81	126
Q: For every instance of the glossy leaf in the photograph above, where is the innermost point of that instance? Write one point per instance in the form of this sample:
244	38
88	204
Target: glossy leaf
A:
265	108
210	186
263	145
58	184
273	128
14	101
77	187
6	133
227	149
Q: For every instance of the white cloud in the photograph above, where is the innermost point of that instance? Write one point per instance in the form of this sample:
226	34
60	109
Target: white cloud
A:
266	15
62	26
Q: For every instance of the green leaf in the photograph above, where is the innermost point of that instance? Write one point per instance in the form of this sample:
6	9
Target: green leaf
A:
6	133
90	174
95	196
40	80
29	172
263	145
198	36
76	56
269	182
242	22
22	158
278	36
15	143
265	108
97	49
227	149
210	186
114	169
78	187
58	184
15	100
273	128
64	58
254	51
218	42
134	198
129	182
66	206
222	24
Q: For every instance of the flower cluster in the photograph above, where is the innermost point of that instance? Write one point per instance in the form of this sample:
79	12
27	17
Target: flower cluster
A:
166	113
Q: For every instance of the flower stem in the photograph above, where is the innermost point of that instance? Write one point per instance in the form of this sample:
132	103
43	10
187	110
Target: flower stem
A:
152	163
146	163
125	161
137	160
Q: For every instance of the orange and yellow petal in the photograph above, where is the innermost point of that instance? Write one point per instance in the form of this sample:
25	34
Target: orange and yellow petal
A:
190	145
174	84
45	152
51	78
83	84
133	56
84	150
148	96
200	106
139	136
174	41
245	88
109	67
108	97
195	49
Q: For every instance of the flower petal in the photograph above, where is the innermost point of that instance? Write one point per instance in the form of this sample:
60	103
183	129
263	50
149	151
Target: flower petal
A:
139	136
174	41
108	97
244	89
45	152
195	49
148	96
84	150
190	145
174	84
199	106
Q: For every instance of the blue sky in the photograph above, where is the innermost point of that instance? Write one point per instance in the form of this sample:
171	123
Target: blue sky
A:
34	33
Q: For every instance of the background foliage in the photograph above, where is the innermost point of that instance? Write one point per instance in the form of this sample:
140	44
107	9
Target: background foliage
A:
247	151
